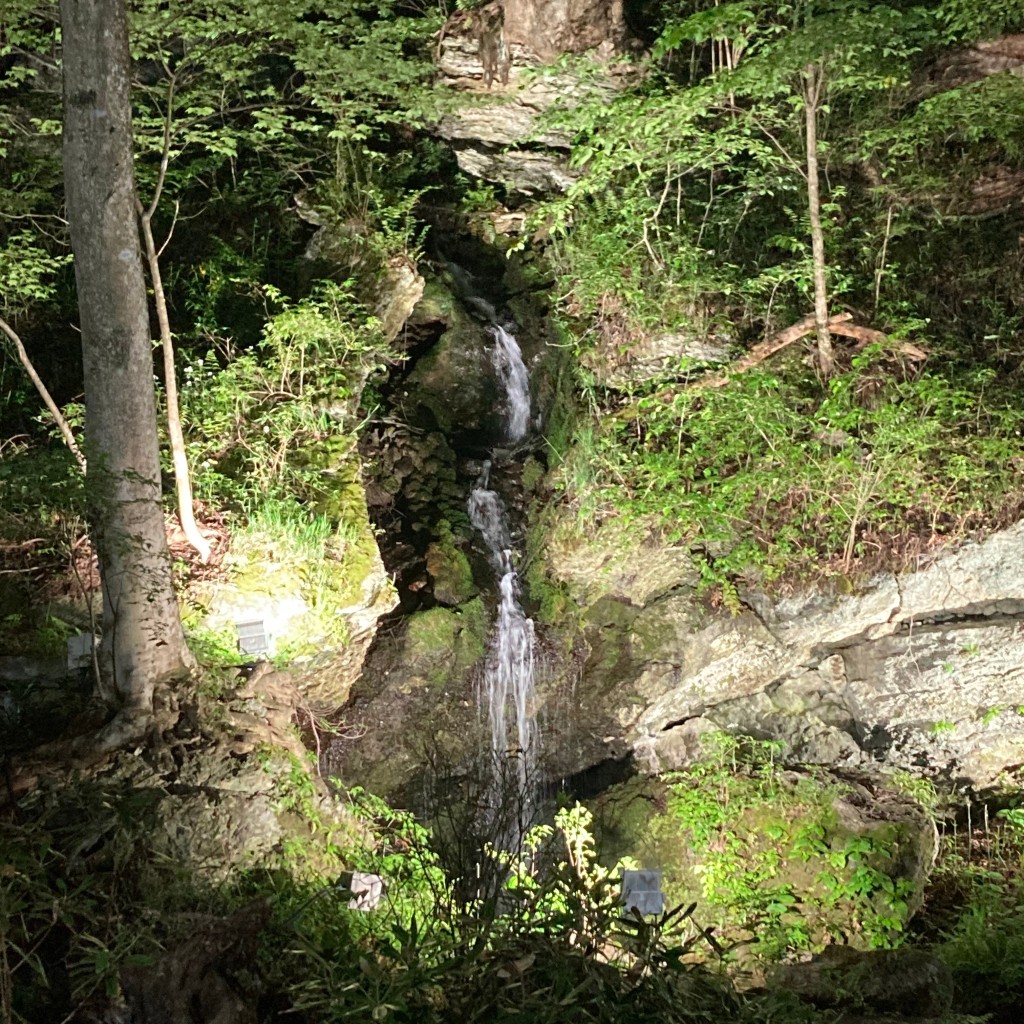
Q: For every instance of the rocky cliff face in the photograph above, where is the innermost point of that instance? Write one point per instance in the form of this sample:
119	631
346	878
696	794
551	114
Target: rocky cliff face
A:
492	56
918	670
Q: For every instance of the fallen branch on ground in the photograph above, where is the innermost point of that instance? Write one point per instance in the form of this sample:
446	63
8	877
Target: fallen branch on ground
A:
761	351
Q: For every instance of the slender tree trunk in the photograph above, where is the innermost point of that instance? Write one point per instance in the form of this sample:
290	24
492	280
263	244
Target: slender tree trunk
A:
182	479
58	417
143	644
182	482
813	81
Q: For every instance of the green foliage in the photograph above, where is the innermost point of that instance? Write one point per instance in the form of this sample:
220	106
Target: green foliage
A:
976	912
535	959
688	218
771	477
278	420
284	547
26	272
771	862
43	636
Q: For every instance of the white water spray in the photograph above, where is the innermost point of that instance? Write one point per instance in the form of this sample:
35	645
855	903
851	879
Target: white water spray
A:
514	378
508	689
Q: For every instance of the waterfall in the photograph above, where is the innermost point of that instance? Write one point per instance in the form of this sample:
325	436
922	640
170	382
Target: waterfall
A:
514	378
507	689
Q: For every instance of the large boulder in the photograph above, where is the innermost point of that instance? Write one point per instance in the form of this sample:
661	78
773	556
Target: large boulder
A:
909	982
775	860
919	670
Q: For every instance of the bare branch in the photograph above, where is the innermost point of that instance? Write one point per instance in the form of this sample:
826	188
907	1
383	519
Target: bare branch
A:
58	417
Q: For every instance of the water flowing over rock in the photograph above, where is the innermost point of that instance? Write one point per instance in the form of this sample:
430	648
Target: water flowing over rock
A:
508	690
446	494
508	361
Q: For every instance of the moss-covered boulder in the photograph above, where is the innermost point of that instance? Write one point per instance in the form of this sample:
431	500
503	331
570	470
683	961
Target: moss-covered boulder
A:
453	387
415	704
449	569
775	860
442	644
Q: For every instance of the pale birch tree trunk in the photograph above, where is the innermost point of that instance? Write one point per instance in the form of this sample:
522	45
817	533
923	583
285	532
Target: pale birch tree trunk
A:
179	457
813	80
143	644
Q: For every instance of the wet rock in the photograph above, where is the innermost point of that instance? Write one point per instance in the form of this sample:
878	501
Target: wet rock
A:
450	571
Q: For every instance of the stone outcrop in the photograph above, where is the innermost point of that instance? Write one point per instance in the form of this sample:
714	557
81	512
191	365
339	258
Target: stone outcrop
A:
918	670
910	982
272	586
552	27
493	55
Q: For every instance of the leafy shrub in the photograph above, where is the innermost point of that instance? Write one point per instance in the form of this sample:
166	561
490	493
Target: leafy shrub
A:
767	476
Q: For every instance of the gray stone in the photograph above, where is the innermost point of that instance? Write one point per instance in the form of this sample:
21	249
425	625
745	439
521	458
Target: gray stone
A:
725	659
920	671
648	358
912	982
978	579
818	618
400	290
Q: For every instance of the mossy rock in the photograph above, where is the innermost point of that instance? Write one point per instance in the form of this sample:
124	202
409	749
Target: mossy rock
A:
454	386
442	644
449	568
436	303
775	860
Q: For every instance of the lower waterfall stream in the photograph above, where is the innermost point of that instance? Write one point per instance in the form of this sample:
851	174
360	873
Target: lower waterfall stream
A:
507	692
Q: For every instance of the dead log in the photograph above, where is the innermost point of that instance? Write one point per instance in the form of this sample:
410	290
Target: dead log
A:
764	349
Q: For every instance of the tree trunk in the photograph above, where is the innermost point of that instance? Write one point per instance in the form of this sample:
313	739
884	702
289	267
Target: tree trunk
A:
143	644
182	481
813	81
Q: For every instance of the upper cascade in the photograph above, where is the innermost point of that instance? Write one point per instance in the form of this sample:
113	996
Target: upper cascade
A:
515	380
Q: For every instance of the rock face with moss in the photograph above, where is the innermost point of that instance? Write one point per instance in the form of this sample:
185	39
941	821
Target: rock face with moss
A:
775	860
319	608
916	669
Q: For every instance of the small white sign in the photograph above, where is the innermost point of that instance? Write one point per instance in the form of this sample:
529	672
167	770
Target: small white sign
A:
366	890
641	890
80	651
252	637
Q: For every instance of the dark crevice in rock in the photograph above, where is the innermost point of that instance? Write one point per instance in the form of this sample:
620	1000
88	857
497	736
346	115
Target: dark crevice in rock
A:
591	782
677	722
988	614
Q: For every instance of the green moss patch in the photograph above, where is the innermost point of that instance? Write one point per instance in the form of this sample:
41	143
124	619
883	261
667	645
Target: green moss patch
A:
776	861
442	644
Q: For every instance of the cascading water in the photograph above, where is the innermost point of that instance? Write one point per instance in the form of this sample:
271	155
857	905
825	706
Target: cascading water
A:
512	372
508	684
